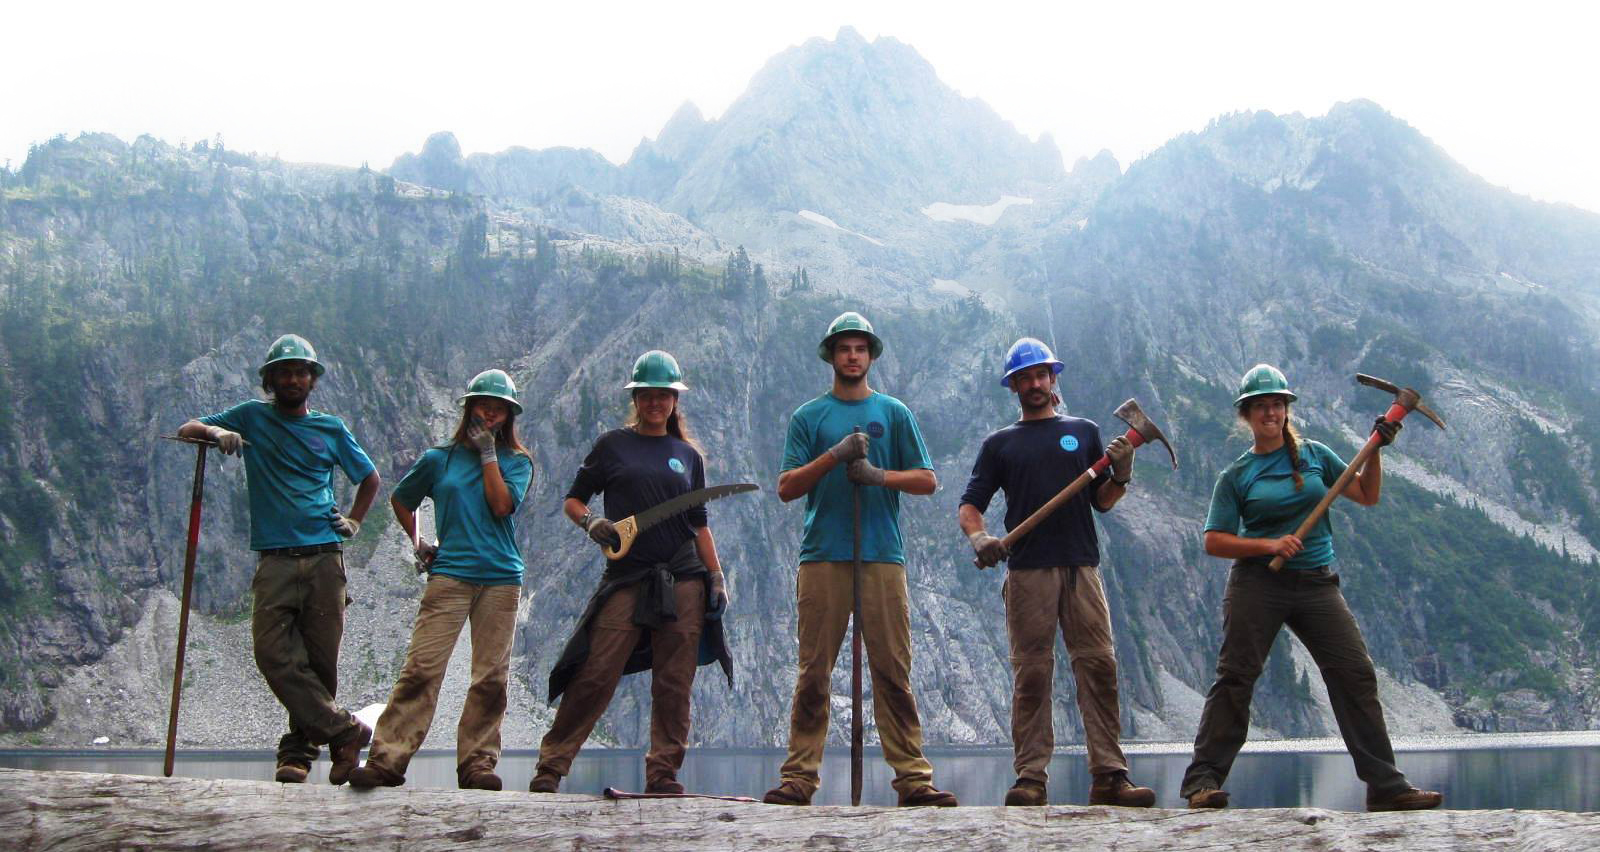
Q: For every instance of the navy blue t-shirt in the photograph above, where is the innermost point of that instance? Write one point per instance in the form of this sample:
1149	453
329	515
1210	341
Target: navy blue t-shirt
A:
1031	461
636	472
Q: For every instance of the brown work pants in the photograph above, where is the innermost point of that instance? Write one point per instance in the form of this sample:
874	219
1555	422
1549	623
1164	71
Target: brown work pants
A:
824	596
1038	601
297	626
1257	604
675	647
447	605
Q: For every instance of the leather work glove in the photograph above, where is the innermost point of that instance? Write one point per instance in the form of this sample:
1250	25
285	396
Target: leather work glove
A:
862	472
716	595
852	447
228	442
991	551
483	441
602	531
1386	431
345	527
1121	454
425	551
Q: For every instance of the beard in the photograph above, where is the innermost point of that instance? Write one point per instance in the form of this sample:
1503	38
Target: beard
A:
851	381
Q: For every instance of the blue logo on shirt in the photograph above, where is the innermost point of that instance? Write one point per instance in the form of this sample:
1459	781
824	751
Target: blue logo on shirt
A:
1069	443
677	466
316	444
875	430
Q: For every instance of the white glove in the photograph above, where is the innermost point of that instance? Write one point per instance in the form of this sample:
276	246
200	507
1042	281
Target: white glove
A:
482	440
345	527
228	442
425	551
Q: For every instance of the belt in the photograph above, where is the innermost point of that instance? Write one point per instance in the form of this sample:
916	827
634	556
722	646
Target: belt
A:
308	550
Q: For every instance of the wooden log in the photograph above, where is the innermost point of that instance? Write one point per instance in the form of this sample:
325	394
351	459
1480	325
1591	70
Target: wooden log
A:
72	810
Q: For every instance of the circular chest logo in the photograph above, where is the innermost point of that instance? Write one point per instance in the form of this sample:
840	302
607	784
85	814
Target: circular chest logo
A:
316	444
677	466
875	430
1069	443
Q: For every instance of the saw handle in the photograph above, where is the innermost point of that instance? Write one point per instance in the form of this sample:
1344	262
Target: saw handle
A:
1395	414
627	530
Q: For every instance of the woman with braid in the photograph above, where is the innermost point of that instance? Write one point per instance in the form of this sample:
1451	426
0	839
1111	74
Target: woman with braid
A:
1257	503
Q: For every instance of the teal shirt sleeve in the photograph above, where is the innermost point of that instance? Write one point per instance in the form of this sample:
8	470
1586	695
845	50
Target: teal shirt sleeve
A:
910	451
517	471
1333	467
1223	515
797	446
234	419
352	458
418	481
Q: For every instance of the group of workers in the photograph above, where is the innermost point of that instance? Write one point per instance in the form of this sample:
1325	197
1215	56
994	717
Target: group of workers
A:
851	453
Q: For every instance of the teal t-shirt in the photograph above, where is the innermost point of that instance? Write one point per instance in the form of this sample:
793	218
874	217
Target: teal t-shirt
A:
894	443
474	545
1255	498
288	468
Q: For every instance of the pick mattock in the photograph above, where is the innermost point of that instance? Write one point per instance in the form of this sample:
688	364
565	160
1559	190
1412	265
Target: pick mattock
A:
200	446
1406	400
1141	431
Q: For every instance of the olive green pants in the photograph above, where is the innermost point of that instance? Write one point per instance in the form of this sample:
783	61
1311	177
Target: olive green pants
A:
447	605
297	626
824	596
675	650
1039	601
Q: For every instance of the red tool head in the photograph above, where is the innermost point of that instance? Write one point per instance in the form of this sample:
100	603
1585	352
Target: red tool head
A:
1405	399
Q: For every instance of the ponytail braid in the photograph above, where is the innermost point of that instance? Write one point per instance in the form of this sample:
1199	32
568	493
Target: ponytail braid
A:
1292	440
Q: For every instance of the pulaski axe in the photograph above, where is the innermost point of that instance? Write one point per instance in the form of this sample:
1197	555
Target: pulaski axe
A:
1141	431
1406	401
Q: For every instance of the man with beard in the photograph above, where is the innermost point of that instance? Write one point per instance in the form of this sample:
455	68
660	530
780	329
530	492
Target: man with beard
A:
876	438
1053	576
290	452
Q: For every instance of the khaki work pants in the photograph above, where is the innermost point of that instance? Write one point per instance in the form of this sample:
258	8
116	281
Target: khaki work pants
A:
824	595
297	625
447	605
1038	601
1257	604
675	647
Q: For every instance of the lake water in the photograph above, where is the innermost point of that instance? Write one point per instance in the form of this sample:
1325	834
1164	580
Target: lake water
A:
1555	772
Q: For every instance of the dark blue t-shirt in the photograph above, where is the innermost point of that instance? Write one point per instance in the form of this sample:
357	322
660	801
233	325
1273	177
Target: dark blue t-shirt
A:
636	472
1031	461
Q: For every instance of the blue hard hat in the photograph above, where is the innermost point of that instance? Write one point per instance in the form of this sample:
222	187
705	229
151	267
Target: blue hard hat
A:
1028	352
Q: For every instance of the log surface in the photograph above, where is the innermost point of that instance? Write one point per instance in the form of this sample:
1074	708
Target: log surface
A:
73	810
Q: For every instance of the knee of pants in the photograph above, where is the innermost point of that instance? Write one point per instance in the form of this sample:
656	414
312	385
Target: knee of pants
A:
1236	675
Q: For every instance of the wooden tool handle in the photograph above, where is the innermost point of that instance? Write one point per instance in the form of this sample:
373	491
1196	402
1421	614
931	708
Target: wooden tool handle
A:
1049	508
627	530
1334	491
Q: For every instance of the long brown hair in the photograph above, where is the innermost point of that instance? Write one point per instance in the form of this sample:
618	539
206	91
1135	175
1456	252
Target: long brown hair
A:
677	424
1291	440
505	435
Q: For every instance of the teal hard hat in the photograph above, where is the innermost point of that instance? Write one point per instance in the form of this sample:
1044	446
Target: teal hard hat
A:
495	384
847	323
656	369
292	347
1028	352
1263	379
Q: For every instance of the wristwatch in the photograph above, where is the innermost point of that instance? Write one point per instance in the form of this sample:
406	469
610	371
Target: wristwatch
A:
584	521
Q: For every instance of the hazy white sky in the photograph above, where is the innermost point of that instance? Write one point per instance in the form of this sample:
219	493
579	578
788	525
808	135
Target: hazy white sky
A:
1507	89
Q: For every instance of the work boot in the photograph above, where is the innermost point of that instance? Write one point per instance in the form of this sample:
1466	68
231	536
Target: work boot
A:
292	773
1210	797
664	784
478	779
1027	792
927	796
544	781
1114	788
346	752
369	775
787	793
1409	799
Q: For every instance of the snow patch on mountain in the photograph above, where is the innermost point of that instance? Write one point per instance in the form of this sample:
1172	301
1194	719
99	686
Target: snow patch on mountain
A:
954	288
816	218
983	214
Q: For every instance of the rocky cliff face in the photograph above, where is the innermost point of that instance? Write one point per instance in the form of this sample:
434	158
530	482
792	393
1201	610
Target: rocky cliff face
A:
140	283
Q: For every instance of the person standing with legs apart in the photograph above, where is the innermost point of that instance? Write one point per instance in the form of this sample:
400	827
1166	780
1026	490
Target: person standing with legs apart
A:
823	460
476	481
1053	576
296	529
1257	502
660	604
